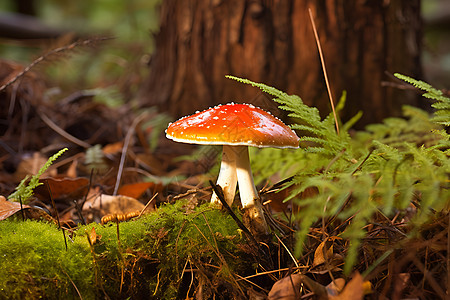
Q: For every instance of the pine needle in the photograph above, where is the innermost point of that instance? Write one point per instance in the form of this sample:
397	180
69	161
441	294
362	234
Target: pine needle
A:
322	61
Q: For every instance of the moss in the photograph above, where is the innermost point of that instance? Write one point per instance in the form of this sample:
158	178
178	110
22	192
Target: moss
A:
36	264
147	261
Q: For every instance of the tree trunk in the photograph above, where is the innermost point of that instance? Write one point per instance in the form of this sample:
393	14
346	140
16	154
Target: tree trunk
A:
200	42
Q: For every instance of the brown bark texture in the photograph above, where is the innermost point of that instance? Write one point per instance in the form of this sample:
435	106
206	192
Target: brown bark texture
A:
272	42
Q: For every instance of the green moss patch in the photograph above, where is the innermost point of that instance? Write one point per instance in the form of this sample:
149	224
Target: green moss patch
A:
153	257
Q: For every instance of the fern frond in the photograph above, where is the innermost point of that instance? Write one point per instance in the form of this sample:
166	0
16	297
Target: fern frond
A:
442	104
416	83
25	191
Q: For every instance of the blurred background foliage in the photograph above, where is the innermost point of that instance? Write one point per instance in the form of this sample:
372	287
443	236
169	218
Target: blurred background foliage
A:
117	64
122	61
436	50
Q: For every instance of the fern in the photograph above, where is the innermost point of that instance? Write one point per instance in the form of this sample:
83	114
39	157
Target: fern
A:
442	104
384	169
24	191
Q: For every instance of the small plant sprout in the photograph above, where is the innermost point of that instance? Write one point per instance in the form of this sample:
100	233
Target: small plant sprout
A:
236	126
24	191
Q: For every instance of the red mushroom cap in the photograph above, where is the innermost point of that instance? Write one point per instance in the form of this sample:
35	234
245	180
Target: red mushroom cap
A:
233	124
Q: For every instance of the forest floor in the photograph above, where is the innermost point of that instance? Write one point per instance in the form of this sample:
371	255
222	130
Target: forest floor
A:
135	206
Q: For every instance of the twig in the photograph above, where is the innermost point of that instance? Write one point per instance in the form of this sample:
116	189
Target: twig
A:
50	53
157	282
324	69
192	281
73	283
21	209
429	278
56	212
233	215
287	250
272	271
62	132
125	149
146	205
363	161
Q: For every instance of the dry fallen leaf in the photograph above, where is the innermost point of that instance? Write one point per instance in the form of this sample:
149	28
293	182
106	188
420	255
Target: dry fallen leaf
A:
355	289
8	208
288	288
107	204
325	259
335	287
74	188
112	149
323	252
135	190
93	236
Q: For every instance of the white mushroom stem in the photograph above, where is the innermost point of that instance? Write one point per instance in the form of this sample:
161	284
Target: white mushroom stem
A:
235	167
227	176
253	211
247	189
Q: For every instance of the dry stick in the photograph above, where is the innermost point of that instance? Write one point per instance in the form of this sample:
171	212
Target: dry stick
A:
273	271
293	287
125	149
62	132
192	281
21	208
50	53
73	283
288	251
56	212
157	282
233	215
322	61
429	278
146	205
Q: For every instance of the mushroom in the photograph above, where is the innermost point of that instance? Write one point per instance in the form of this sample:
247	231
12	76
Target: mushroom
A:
236	126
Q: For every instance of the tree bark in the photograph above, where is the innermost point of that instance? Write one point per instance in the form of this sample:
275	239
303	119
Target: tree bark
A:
200	42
